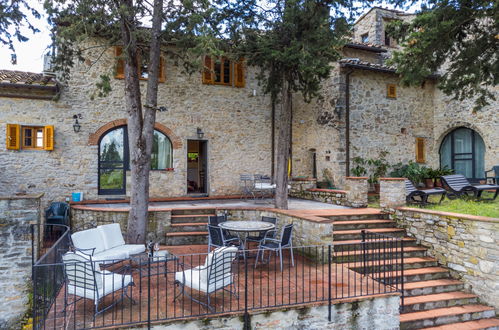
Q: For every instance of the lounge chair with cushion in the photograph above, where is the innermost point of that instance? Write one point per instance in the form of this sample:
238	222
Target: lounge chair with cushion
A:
415	196
214	275
459	186
86	280
105	243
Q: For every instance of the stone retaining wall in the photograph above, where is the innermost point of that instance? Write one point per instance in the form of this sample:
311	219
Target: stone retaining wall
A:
468	245
372	313
17	213
329	196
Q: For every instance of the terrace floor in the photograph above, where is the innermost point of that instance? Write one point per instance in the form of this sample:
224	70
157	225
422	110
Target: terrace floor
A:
304	284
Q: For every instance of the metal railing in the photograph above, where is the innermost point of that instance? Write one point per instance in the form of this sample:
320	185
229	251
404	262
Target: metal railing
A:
320	274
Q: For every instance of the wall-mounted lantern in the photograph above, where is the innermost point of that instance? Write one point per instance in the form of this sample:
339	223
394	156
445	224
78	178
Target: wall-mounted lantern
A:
200	133
76	125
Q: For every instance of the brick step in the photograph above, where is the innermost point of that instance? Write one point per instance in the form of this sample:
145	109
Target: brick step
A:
188	227
362	224
355	244
489	323
191	211
432	287
441	316
376	254
187	238
438	300
366	215
352	234
414	275
189	218
393	264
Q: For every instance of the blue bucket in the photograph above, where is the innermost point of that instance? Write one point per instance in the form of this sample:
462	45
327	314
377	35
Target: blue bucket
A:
77	196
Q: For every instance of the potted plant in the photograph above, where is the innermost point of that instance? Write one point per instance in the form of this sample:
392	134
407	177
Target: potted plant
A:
359	169
379	169
441	172
429	177
412	171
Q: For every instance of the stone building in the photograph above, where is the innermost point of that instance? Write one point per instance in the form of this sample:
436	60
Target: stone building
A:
214	129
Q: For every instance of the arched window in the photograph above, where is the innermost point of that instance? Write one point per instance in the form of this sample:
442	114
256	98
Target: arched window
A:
463	150
114	159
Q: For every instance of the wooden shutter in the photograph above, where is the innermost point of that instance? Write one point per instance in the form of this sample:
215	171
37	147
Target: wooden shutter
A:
48	137
420	150
391	91
162	74
239	73
120	63
207	71
13	136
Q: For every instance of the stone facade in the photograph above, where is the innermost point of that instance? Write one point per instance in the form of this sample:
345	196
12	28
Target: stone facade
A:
356	188
392	192
329	196
372	313
17	213
468	245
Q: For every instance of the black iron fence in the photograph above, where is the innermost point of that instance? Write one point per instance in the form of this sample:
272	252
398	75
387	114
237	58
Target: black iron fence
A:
146	290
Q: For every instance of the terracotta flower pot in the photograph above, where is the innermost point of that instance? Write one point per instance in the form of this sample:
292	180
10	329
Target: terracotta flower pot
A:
429	183
437	183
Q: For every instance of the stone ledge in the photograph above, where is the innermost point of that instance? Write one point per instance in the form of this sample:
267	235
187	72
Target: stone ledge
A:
356	178
449	214
13	197
392	179
333	191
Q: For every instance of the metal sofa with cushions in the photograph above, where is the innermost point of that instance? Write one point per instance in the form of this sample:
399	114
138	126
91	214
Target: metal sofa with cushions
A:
105	243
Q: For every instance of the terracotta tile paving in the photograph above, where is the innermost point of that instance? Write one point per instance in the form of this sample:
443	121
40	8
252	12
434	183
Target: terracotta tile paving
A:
268	287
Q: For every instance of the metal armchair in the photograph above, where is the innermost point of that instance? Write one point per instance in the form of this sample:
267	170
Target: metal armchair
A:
277	245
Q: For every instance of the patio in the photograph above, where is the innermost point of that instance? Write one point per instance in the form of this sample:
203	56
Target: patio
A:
261	288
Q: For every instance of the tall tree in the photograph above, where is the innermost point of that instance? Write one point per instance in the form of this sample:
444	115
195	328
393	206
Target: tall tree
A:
458	37
294	42
83	24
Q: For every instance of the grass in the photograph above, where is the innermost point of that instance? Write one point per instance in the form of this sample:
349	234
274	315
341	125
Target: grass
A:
483	208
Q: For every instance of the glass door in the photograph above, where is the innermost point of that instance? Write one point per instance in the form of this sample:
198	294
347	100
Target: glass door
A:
112	160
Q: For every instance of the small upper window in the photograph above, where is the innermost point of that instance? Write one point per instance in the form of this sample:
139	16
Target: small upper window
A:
364	38
391	91
142	65
30	137
222	71
387	39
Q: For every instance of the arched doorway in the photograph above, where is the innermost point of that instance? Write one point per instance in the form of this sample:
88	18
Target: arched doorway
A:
463	150
114	159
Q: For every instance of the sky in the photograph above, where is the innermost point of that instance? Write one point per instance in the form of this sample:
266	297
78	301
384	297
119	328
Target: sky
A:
30	53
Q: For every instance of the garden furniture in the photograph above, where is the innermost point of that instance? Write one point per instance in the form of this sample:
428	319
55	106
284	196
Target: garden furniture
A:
494	177
244	228
277	245
214	275
57	214
217	238
415	196
86	280
105	243
262	234
459	186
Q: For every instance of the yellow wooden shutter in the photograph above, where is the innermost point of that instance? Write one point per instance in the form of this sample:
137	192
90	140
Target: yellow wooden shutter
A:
48	136
13	136
239	73
162	74
120	63
391	91
420	150
207	71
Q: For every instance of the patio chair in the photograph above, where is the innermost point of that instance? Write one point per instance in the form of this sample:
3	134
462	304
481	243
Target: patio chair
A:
214	275
415	196
57	214
247	185
263	186
216	238
495	174
215	220
84	279
277	245
459	186
269	233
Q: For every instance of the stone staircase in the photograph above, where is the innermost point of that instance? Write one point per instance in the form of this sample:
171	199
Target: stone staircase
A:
433	299
188	227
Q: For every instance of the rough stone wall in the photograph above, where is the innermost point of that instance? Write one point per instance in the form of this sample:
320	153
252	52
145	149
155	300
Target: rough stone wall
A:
392	192
16	215
236	125
468	245
372	313
329	196
356	188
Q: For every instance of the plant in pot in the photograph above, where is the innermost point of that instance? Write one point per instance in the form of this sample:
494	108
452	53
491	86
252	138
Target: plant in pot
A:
359	169
412	171
379	169
429	176
441	172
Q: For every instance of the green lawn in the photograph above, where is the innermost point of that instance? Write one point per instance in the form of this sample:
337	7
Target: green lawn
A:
483	208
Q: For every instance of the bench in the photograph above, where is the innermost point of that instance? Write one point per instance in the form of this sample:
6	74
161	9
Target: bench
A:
105	243
459	186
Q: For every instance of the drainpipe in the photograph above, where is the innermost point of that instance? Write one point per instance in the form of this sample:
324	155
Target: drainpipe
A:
347	122
272	142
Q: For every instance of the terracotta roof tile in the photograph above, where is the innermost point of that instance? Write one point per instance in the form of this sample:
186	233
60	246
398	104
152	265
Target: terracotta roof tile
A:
366	65
26	78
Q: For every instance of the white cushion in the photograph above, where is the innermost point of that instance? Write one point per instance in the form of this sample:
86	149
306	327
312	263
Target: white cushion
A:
88	239
112	235
111	255
132	248
107	283
264	185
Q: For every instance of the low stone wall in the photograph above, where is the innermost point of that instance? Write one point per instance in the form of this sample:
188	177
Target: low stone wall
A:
300	184
370	313
329	196
17	213
468	245
392	193
356	188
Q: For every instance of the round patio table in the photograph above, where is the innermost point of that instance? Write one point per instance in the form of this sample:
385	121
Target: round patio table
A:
243	228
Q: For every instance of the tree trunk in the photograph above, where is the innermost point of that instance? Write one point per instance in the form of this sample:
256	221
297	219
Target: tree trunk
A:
283	147
140	122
